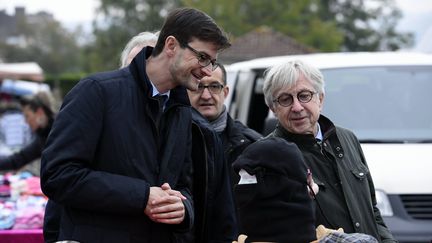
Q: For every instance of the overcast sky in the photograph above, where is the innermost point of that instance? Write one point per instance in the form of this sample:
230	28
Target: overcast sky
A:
417	13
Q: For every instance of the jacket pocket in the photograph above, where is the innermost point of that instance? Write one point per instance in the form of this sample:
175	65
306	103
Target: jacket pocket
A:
360	171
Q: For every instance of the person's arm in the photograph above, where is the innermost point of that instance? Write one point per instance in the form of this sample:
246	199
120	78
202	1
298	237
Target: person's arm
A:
184	186
223	217
23	157
67	176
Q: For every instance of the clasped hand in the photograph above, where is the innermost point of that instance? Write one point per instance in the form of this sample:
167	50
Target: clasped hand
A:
312	184
165	205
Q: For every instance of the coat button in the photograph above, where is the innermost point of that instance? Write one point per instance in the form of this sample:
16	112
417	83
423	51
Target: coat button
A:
340	155
242	140
361	174
338	148
357	224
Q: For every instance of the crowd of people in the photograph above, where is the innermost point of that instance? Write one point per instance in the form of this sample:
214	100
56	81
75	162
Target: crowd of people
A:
149	152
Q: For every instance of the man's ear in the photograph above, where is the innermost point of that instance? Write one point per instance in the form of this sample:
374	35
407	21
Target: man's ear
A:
171	45
321	100
226	91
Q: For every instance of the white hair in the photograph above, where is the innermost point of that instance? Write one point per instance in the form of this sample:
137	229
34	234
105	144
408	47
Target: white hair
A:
286	75
142	39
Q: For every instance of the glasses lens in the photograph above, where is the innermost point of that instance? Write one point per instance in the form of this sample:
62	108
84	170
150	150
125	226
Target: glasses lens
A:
201	88
285	100
203	59
305	96
215	88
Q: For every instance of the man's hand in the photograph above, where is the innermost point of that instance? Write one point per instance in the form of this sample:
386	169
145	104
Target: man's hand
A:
166	187
312	185
165	205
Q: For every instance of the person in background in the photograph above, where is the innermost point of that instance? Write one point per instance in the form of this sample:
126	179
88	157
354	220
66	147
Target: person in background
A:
135	45
272	197
118	159
214	208
294	91
214	205
209	100
39	114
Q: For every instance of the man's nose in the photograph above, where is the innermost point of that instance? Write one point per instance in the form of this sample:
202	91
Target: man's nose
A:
296	105
206	94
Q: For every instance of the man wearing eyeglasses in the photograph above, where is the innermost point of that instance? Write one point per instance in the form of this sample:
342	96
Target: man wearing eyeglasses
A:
209	99
118	158
294	91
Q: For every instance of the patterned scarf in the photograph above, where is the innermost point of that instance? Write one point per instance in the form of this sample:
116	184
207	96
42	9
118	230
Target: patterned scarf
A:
219	123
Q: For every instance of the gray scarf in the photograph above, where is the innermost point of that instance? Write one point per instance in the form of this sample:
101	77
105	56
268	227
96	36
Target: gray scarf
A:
220	123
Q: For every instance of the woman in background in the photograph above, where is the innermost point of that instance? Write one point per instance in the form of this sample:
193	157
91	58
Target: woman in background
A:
39	115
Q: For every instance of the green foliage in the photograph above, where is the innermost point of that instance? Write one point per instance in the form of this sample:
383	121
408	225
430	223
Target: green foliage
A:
326	25
121	20
65	82
367	25
296	19
46	43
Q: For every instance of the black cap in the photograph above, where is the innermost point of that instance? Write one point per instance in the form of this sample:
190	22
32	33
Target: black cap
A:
277	208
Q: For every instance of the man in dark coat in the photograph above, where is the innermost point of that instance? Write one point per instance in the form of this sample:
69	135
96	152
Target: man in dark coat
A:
118	159
215	220
214	208
294	91
209	101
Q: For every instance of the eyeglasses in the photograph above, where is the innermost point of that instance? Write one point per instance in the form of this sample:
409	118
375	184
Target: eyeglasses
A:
203	59
287	99
213	88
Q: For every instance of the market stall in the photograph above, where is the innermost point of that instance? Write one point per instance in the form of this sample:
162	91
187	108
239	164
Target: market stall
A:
22	206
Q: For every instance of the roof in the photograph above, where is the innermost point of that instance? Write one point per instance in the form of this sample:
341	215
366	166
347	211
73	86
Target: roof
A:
262	42
341	60
23	70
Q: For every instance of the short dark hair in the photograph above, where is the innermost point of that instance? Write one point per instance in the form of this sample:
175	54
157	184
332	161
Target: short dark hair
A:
188	23
38	100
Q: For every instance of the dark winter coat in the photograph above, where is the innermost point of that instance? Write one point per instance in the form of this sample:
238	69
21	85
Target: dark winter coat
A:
235	138
105	151
347	193
214	208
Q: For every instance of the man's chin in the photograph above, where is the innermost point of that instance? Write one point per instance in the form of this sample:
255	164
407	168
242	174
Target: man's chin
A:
207	113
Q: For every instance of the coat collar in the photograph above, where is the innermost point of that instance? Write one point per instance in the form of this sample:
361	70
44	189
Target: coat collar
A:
178	95
327	128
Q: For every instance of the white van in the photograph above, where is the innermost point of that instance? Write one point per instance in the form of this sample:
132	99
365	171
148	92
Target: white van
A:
385	98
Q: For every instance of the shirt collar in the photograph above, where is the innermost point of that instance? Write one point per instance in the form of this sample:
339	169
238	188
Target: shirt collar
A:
155	91
319	135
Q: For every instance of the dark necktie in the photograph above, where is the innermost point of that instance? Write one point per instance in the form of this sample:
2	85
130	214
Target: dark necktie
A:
161	101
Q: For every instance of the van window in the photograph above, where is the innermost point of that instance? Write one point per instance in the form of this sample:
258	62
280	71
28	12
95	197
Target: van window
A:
381	103
247	102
